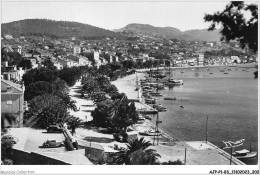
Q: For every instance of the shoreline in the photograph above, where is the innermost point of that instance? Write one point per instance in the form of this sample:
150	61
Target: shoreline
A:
170	148
121	85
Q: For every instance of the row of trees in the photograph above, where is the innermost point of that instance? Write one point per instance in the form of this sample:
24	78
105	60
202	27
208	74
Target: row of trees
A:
113	109
47	89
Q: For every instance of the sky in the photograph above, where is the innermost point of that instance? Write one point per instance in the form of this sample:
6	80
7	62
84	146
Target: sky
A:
185	15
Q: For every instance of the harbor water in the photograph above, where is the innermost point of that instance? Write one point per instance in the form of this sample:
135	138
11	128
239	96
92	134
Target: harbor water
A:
229	98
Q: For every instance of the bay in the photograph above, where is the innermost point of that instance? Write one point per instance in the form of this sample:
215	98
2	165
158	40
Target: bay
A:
230	101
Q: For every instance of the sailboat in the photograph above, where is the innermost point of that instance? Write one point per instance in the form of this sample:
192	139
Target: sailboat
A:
181	106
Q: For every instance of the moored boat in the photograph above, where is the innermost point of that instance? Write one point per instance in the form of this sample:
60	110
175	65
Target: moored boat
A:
170	98
155	94
150	132
159	107
176	81
147	117
244	154
150	101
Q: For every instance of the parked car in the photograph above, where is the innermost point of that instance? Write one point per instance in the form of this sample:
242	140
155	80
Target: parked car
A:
9	139
52	144
54	128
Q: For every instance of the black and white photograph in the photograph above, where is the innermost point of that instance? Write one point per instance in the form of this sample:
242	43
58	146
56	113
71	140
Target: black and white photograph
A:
119	83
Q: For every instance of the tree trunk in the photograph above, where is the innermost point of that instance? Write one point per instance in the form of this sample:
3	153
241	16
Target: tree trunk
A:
73	131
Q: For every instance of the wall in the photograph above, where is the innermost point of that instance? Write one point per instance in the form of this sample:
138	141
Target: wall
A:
27	158
16	108
93	151
94	154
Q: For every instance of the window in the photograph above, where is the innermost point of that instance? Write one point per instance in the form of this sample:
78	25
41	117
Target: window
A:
9	102
9	89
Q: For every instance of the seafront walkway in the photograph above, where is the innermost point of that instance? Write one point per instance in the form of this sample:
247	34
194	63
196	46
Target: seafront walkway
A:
84	106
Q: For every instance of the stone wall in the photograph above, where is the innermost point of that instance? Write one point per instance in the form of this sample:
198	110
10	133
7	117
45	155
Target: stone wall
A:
31	158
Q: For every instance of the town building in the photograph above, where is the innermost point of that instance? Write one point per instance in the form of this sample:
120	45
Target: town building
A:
76	50
11	73
17	48
200	60
67	63
12	102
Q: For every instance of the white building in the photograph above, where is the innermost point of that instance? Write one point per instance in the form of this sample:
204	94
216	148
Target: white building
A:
200	60
77	50
96	56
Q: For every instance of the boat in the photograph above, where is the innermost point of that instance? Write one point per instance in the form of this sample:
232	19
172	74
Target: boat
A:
170	98
150	132
159	107
244	154
225	72
151	97
211	73
147	88
181	106
141	119
147	117
180	82
156	94
160	76
150	101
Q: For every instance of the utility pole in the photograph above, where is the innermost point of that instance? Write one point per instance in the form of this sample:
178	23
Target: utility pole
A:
157	129
207	129
231	151
185	156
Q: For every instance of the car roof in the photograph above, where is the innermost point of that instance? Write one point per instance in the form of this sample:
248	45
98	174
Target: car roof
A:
7	136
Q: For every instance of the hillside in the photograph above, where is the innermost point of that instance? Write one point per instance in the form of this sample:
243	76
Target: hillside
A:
170	32
54	28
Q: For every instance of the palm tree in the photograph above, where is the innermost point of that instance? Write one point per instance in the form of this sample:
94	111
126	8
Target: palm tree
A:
74	122
144	157
136	154
137	144
66	99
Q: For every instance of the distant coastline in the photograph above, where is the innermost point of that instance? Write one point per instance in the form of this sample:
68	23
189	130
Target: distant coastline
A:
248	65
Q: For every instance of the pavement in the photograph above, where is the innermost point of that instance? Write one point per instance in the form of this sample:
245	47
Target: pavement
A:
83	105
31	140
